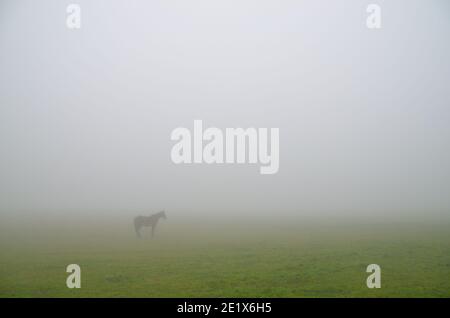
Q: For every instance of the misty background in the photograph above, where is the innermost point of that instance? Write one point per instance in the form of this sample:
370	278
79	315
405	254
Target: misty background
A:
86	115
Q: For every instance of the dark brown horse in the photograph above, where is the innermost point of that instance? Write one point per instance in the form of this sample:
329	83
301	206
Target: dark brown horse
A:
151	220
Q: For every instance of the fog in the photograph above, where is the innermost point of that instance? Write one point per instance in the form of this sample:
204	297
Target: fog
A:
86	114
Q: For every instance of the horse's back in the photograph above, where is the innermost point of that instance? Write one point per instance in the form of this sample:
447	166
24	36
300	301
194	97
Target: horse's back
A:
139	219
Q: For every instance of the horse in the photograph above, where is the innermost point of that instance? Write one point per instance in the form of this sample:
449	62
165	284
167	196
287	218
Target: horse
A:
151	220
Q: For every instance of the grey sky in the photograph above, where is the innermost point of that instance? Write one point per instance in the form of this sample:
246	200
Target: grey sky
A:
86	115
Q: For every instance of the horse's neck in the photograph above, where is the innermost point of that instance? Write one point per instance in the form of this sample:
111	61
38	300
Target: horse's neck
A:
157	216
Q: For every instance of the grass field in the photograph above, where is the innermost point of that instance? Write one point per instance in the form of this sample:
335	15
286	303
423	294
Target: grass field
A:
227	260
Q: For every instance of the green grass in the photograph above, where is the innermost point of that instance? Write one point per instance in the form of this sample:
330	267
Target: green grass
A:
248	261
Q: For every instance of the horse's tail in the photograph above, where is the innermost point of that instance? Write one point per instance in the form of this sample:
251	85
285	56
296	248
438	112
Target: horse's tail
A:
137	226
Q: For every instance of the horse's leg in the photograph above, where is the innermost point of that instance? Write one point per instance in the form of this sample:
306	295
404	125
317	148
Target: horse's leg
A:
137	228
138	234
153	230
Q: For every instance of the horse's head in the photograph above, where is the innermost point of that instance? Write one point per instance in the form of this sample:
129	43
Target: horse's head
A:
163	214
